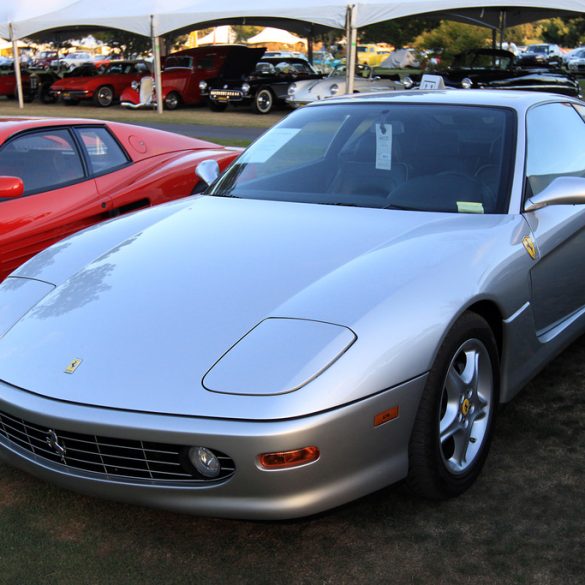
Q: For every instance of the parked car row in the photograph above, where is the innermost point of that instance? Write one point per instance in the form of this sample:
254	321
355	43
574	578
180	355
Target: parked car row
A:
236	75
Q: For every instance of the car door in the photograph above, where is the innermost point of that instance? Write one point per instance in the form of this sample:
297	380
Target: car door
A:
555	138
59	199
115	175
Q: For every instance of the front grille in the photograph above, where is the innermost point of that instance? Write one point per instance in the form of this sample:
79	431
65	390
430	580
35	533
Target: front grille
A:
121	459
225	93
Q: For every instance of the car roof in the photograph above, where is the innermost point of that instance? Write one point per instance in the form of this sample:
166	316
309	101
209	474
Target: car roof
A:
518	100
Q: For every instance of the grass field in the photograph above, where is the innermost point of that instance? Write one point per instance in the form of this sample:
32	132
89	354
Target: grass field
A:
202	115
523	522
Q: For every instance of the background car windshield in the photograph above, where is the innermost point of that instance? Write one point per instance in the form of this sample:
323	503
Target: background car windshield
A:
419	157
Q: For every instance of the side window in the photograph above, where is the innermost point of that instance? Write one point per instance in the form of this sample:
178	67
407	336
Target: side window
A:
103	151
556	134
43	160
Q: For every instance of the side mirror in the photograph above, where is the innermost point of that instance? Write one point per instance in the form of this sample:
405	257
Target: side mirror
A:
561	191
11	187
207	171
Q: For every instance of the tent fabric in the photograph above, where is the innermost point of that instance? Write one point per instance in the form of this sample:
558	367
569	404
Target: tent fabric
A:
31	16
137	15
275	35
14	11
221	35
372	11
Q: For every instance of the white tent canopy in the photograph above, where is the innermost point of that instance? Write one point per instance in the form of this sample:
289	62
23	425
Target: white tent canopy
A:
275	35
31	16
372	11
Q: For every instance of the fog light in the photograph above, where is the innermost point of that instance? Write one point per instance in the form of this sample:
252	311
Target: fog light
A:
204	461
284	459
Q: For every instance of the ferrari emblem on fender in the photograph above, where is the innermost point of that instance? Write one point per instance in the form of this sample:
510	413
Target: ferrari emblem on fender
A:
529	246
73	365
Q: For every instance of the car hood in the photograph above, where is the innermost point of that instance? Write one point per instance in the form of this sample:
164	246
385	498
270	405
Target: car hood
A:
153	301
75	82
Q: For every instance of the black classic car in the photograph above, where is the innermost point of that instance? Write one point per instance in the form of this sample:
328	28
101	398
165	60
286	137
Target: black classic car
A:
497	69
255	80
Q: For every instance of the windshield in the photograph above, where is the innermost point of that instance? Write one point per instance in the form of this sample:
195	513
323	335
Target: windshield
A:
483	60
406	156
173	62
540	49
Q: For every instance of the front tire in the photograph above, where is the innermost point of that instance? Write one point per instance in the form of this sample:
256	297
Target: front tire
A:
104	96
172	101
263	101
454	424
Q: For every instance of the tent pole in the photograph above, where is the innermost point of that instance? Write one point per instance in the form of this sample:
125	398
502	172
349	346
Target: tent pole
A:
157	69
17	68
351	42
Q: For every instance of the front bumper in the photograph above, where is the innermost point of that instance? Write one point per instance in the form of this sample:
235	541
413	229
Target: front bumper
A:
76	94
228	96
356	457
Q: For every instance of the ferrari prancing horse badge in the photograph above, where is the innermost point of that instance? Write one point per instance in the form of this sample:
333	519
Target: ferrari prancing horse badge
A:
73	365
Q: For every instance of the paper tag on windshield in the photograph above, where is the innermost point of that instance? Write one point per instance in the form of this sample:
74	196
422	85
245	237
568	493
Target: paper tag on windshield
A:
269	144
469	207
384	147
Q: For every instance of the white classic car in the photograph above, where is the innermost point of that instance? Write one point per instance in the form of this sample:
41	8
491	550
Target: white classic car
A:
302	93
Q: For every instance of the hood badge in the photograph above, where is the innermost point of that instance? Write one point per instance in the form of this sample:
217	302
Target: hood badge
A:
529	246
73	365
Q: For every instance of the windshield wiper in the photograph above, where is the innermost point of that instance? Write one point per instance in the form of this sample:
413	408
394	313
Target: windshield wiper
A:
223	195
401	207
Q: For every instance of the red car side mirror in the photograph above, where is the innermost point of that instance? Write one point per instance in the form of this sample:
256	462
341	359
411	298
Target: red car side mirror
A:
11	187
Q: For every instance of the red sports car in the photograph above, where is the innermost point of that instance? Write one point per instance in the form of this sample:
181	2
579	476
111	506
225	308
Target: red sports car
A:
101	87
58	176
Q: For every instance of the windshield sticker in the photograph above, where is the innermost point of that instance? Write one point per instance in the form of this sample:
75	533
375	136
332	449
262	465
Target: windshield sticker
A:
269	145
384	147
469	207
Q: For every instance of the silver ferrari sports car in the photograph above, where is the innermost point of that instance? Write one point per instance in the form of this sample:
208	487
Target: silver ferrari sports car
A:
344	308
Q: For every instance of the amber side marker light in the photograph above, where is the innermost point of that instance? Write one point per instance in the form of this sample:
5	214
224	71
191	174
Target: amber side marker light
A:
386	416
284	459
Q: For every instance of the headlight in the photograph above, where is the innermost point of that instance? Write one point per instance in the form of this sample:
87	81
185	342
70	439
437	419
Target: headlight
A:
202	85
135	85
466	83
245	87
334	89
407	82
291	89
